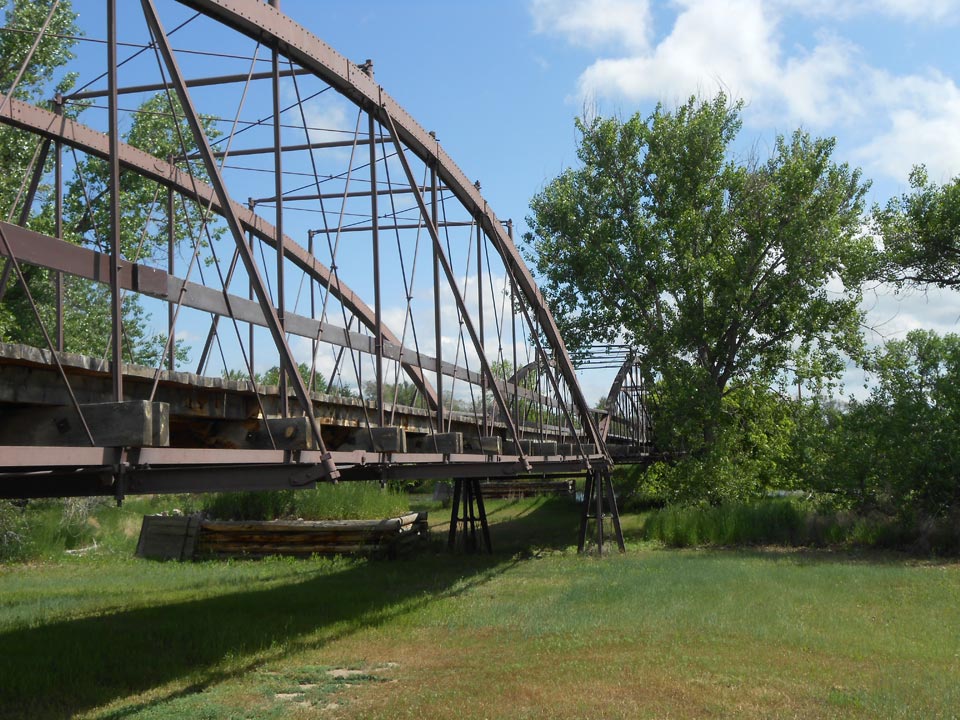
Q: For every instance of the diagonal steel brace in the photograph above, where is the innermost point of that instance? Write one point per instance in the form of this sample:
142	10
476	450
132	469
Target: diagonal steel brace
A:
233	222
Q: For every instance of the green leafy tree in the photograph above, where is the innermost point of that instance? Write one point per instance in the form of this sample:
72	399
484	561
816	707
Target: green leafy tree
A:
921	233
143	215
897	452
913	413
272	376
144	227
42	78
718	270
38	83
405	393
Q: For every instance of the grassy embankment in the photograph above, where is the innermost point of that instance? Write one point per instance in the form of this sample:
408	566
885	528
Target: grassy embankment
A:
532	631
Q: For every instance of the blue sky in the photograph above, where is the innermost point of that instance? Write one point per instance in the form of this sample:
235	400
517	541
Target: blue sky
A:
501	82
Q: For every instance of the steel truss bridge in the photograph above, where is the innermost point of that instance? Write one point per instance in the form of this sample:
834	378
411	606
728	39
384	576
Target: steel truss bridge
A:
303	219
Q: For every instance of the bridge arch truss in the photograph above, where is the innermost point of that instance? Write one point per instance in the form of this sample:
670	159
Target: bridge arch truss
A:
313	225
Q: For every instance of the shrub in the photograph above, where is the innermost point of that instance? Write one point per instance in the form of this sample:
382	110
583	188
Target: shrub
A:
349	500
77	526
13	531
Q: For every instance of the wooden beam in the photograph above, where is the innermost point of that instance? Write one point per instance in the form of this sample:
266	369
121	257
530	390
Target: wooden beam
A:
134	423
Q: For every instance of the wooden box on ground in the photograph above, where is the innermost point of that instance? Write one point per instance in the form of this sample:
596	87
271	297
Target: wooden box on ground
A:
301	538
165	537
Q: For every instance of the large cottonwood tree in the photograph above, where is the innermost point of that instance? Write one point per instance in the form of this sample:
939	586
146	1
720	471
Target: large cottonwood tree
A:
725	272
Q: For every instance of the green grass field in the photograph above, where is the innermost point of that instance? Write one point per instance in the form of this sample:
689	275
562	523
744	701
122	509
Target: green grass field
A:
533	631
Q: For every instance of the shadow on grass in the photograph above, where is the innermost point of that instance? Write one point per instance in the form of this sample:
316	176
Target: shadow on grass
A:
517	526
68	667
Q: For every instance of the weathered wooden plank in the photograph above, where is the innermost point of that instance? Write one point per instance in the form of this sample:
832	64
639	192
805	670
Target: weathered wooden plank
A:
389	439
446	443
526	488
164	538
134	423
544	448
491	445
510	447
186	537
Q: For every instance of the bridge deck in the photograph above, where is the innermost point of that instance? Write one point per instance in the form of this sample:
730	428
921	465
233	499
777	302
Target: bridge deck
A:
213	435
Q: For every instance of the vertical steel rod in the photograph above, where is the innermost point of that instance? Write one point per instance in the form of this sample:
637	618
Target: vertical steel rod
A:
278	190
313	314
585	510
482	510
377	295
252	204
39	160
114	132
513	328
171	242
438	330
58	212
452	284
483	378
599	489
454	514
614	511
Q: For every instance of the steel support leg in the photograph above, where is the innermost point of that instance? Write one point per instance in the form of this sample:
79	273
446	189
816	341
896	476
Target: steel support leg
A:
598	486
468	515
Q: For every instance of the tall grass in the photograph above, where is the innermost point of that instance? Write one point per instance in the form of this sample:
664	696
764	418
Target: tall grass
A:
344	501
772	522
793	523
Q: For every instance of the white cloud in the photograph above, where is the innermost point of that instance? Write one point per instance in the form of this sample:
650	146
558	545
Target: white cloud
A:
923	113
330	118
814	86
929	10
911	10
734	46
697	55
821	81
891	315
596	23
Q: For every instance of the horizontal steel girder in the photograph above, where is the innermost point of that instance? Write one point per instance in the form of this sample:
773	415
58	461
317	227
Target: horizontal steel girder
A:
42	250
73	134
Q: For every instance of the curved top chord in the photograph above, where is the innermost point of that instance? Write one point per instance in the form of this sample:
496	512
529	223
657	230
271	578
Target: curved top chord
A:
271	27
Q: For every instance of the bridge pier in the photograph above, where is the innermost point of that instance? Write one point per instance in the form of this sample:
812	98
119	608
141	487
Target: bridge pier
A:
597	491
467	513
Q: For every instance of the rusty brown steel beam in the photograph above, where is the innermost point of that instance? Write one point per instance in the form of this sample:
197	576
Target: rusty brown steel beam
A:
238	476
440	258
116	309
404	226
194	82
47	124
611	401
275	324
44	251
338	195
299	147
